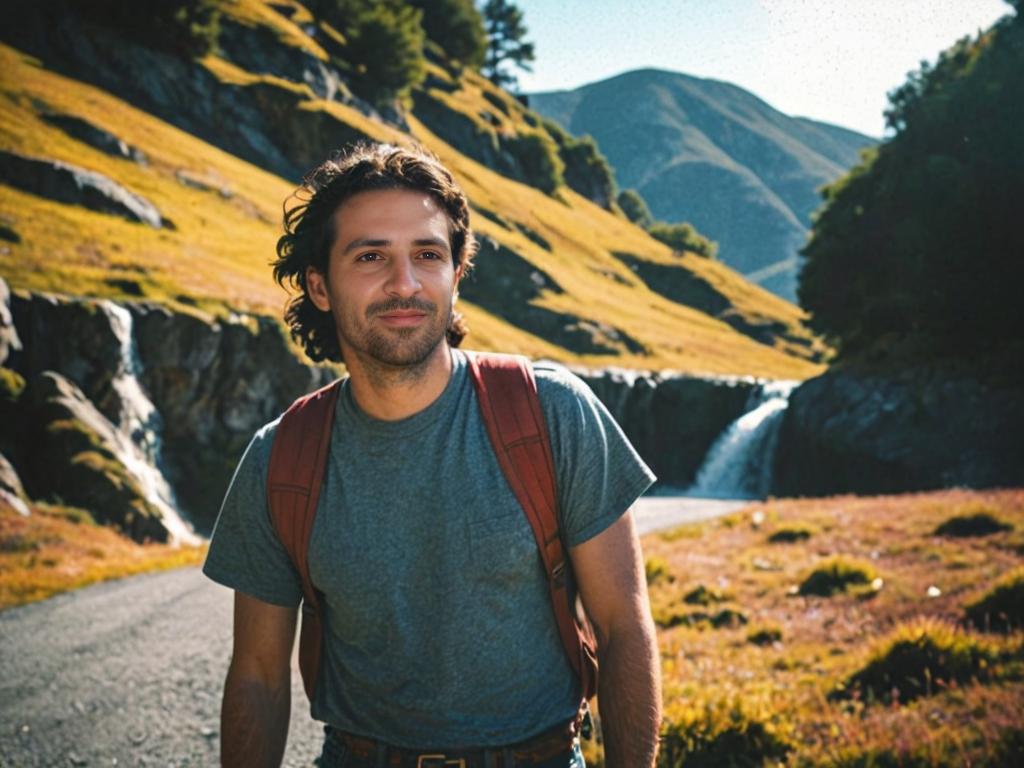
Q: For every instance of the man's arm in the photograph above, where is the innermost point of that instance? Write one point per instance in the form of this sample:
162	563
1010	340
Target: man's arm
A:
257	693
610	575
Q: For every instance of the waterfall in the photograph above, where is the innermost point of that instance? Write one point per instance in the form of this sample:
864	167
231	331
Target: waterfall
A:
139	427
739	463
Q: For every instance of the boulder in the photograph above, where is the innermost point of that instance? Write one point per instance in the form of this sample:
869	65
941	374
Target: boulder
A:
95	137
67	183
78	456
848	431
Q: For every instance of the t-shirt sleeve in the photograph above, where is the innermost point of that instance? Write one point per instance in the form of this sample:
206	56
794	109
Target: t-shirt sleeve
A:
245	553
599	472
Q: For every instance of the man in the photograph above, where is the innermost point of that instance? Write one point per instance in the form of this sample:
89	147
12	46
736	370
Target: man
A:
439	634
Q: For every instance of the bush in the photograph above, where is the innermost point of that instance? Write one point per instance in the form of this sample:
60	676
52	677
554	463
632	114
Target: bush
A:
683	237
837	574
729	618
635	208
536	156
586	170
1002	607
791	534
980	523
920	659
719	735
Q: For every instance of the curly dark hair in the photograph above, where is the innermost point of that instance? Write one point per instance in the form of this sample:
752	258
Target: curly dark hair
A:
309	229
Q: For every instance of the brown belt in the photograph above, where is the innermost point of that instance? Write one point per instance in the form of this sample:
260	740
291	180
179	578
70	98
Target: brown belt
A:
546	746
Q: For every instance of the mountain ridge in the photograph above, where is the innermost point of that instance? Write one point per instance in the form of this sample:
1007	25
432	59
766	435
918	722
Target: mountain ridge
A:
711	153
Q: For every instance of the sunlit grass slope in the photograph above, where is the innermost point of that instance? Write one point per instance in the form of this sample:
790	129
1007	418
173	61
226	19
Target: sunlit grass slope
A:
226	215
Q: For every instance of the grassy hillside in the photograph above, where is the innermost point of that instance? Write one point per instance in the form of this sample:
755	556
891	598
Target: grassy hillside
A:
710	153
595	306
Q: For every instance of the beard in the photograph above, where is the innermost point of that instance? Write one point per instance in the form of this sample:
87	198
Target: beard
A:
407	348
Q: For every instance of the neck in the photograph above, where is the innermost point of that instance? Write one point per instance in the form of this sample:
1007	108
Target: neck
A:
391	393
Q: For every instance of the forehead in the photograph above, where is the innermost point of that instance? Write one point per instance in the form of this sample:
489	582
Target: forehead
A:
385	212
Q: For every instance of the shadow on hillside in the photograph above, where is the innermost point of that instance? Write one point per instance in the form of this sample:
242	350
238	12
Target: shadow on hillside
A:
505	284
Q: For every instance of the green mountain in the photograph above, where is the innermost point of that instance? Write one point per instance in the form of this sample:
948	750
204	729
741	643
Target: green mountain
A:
148	167
715	155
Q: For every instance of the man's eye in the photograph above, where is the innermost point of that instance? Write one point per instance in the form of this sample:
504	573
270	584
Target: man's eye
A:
431	255
369	256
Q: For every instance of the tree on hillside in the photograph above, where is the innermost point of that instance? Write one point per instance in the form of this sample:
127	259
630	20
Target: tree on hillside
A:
635	208
683	236
383	45
922	240
456	26
506	35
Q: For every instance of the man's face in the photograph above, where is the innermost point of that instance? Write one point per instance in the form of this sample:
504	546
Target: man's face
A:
390	281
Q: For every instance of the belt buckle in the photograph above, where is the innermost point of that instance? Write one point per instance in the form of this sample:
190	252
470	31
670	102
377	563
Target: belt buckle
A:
439	761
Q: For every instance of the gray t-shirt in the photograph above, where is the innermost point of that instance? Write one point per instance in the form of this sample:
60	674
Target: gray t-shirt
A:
439	629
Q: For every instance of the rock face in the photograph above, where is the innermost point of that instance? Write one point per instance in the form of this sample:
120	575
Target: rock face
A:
671	419
70	184
76	455
189	391
846	432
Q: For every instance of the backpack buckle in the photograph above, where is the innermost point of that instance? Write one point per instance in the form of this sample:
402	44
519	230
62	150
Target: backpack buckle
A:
439	761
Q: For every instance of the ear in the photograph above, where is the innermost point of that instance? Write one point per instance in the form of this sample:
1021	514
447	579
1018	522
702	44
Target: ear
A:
455	283
316	289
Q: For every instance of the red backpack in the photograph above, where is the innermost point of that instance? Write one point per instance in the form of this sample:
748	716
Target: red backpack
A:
507	394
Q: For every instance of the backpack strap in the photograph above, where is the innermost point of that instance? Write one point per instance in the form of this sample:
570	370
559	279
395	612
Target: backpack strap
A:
511	410
295	474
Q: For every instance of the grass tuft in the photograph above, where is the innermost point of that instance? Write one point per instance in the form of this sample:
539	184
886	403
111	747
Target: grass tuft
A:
980	523
790	534
835	575
765	634
656	570
723	733
1002	607
921	658
701	595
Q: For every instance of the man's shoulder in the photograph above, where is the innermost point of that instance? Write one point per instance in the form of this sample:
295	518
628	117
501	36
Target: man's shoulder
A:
558	384
257	455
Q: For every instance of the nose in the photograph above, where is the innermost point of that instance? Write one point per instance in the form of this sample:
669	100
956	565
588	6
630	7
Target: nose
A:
402	281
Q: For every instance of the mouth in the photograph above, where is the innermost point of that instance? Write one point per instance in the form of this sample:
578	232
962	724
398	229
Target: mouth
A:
402	318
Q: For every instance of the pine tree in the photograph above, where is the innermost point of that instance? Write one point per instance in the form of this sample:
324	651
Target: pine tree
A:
506	32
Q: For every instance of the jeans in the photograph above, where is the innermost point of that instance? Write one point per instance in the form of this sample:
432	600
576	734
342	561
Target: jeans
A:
335	755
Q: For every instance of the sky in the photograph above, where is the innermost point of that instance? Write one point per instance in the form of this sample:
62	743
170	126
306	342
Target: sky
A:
831	60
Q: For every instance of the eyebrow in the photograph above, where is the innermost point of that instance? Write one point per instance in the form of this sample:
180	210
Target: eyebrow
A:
366	242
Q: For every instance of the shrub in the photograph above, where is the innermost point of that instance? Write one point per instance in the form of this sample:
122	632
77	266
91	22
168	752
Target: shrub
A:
837	574
720	735
980	523
683	237
764	635
1002	607
790	534
919	659
536	155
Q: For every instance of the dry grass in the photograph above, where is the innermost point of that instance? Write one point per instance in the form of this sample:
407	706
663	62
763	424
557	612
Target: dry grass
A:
57	549
774	680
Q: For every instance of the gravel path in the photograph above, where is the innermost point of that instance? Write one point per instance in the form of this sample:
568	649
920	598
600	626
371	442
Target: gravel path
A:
129	673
